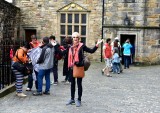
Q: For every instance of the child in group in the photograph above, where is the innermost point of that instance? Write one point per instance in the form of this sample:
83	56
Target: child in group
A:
116	61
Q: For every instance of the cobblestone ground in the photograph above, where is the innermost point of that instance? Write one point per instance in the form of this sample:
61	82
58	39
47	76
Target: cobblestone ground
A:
136	90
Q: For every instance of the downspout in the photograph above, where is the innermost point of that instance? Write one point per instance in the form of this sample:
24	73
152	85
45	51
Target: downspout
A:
102	30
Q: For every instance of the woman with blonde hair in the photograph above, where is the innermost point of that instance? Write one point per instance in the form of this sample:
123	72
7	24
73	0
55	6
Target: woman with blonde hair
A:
75	57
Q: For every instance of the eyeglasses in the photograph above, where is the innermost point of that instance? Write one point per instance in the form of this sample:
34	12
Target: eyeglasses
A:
75	37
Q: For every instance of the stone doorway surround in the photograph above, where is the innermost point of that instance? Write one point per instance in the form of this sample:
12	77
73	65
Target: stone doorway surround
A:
137	39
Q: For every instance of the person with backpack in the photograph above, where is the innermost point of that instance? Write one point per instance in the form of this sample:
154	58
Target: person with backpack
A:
75	58
45	62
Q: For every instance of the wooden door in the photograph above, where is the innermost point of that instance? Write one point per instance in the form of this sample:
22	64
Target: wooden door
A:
28	33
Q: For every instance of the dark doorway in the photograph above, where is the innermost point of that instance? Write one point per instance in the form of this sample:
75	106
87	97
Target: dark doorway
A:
28	33
123	38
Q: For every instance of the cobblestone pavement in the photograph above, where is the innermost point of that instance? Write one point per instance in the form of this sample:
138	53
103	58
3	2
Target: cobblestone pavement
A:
136	90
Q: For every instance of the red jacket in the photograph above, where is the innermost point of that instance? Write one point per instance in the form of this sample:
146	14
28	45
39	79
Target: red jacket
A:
108	52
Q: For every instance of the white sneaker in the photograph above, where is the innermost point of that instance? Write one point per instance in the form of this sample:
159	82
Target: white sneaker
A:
67	82
51	82
21	95
28	89
55	83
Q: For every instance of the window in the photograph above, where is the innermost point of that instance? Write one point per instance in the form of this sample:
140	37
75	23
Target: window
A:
73	22
129	1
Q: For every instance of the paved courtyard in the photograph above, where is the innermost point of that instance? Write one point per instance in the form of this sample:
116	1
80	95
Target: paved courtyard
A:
136	90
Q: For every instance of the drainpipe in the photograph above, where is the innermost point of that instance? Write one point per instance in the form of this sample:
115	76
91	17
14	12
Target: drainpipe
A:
102	30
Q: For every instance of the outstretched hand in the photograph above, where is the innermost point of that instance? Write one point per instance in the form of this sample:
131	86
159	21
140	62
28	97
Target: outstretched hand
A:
99	41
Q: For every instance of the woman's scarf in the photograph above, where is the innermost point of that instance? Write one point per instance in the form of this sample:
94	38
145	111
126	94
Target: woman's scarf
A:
73	54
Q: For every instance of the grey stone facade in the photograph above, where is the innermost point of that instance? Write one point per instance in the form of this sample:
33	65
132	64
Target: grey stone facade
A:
144	16
144	26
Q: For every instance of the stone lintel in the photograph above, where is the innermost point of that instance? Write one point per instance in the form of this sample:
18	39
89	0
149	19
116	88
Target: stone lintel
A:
134	27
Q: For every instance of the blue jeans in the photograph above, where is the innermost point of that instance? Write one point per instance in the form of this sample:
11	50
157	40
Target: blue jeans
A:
126	61
41	74
116	67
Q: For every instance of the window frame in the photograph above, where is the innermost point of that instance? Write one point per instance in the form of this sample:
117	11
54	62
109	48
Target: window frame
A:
73	24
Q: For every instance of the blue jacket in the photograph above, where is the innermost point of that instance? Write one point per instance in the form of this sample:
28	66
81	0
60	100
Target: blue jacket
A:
127	49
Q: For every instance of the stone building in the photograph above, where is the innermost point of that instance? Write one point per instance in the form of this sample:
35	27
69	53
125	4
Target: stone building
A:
138	20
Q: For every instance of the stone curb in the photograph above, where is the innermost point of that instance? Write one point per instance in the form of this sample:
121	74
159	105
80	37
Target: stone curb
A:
11	88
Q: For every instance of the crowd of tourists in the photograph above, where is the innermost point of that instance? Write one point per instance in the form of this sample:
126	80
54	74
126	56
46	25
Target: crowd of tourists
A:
113	54
44	57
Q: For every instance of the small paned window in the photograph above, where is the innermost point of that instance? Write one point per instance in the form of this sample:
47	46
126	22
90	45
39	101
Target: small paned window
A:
129	1
83	18
76	28
63	18
83	30
69	30
83	40
63	29
76	18
69	18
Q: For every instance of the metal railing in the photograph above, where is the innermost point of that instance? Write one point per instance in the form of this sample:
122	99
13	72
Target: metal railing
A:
6	76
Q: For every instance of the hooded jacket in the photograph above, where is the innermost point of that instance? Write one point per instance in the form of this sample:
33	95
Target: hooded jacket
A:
48	57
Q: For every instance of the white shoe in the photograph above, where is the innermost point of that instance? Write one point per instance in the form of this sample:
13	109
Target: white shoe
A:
21	95
67	82
51	82
28	89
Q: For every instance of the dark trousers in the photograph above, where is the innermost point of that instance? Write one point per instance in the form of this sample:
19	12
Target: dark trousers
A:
67	78
73	86
30	80
55	72
126	61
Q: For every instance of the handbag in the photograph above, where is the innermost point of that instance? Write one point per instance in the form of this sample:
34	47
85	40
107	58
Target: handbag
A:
28	68
25	68
19	66
87	63
78	72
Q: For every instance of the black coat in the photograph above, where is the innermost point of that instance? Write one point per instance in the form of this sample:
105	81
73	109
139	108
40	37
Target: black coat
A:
81	51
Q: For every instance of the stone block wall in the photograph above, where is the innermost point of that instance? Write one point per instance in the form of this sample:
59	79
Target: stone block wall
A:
153	13
116	11
43	15
151	47
141	12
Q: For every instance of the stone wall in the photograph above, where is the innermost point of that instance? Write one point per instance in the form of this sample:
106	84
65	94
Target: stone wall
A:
9	20
151	47
141	13
42	15
116	11
153	13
